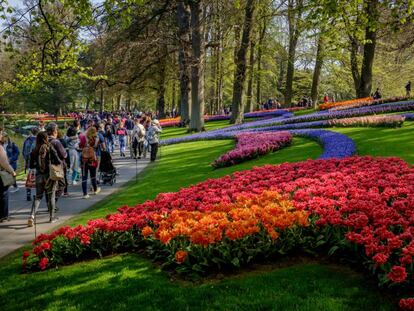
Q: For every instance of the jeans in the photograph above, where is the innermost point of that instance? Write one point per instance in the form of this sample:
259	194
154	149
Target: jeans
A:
122	143
92	170
154	150
47	187
110	145
74	164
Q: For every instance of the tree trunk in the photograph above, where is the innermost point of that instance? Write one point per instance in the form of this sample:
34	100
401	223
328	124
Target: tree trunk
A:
354	65
119	102
317	70
161	101
183	21
259	64
197	70
294	15
220	78
249	102
240	72
101	104
174	96
365	85
282	73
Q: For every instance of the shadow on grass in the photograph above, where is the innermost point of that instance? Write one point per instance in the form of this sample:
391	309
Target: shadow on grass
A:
124	281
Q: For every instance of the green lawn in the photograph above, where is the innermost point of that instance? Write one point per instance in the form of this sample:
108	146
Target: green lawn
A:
170	132
383	141
129	281
303	112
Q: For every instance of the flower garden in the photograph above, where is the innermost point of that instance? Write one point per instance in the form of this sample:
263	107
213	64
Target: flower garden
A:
350	204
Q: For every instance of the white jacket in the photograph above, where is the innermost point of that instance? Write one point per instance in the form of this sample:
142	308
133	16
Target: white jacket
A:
138	132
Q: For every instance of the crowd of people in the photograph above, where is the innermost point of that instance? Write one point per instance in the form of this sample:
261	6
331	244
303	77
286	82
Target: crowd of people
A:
56	158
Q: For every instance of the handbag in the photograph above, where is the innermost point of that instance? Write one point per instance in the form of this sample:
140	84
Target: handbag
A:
56	172
6	178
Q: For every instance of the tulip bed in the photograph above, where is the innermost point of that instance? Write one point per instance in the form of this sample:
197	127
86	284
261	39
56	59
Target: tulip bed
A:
360	206
360	102
345	103
369	121
374	102
252	145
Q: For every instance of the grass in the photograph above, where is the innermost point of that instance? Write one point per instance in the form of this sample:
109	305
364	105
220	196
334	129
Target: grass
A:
129	282
171	132
303	112
387	142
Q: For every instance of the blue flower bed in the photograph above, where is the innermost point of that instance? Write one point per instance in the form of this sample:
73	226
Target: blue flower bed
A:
335	145
355	112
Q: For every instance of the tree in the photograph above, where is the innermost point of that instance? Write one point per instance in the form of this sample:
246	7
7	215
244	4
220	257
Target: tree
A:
240	72
294	14
183	21
197	66
318	68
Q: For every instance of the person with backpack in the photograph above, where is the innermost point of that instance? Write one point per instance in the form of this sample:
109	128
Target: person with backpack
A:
138	137
13	153
46	156
121	132
89	145
28	146
154	132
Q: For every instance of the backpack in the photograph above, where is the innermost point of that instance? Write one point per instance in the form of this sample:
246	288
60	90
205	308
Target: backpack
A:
88	152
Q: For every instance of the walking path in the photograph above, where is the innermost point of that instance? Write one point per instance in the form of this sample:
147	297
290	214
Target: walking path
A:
15	233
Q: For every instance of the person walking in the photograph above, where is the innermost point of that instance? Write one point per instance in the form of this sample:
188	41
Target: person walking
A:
109	136
101	143
129	125
121	132
146	122
63	140
4	186
408	89
48	150
89	145
72	141
28	145
154	132
13	153
138	137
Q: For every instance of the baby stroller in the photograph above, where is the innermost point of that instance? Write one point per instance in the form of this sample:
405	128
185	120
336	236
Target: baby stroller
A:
107	171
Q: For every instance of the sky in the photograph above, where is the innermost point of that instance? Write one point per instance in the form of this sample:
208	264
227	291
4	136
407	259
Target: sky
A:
15	3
